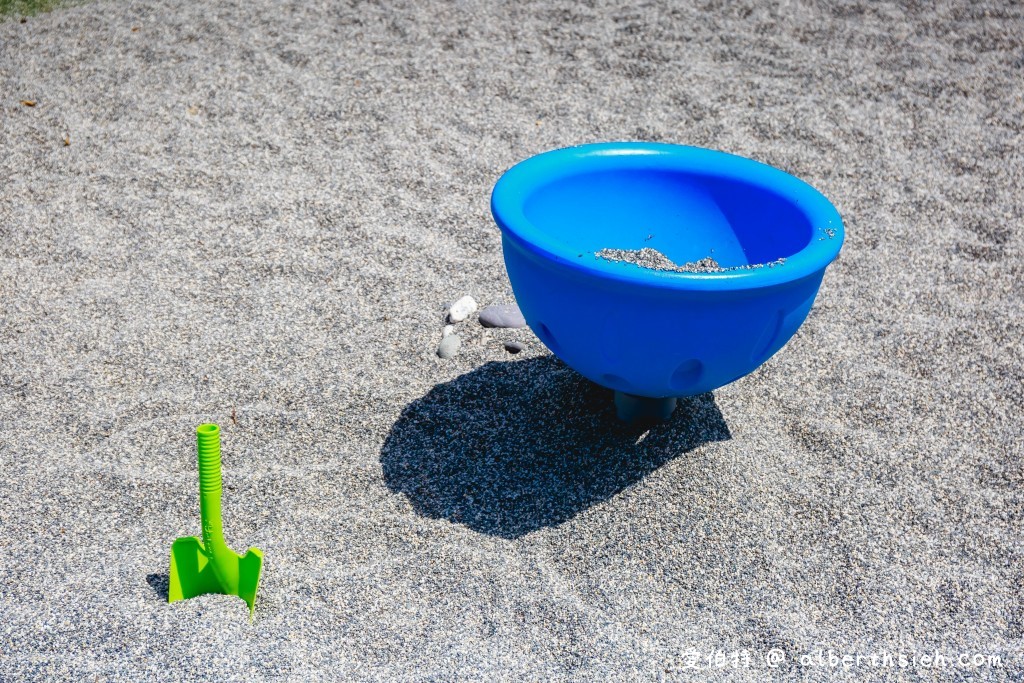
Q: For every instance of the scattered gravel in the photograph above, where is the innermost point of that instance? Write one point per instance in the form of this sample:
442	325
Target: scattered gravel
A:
655	260
502	315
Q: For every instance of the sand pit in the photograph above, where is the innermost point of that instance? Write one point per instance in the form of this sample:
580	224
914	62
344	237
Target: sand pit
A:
256	213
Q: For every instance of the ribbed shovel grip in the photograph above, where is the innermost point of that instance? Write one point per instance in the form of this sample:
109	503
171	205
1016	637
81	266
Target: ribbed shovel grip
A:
208	447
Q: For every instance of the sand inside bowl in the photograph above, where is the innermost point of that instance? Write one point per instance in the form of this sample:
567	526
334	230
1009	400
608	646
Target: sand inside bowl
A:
655	260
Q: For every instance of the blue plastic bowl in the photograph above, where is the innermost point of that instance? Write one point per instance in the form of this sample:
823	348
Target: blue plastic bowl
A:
653	333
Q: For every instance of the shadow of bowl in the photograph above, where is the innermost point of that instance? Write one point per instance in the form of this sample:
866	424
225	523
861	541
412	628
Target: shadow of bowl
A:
517	446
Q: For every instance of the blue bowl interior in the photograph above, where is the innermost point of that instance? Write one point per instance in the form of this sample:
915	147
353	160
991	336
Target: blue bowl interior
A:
685	216
686	202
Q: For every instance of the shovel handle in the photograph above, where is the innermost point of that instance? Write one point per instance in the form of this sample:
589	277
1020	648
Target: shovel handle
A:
225	562
208	449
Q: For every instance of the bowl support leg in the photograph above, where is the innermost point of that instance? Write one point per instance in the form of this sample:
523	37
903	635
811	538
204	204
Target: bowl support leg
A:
632	408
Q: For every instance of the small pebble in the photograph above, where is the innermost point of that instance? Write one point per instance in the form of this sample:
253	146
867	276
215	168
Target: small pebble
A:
515	347
461	309
449	346
448	329
502	315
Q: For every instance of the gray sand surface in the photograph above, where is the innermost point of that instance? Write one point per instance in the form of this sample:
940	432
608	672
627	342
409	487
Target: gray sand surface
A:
264	209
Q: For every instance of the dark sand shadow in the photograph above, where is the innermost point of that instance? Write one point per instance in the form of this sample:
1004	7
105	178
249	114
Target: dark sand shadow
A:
513	447
160	583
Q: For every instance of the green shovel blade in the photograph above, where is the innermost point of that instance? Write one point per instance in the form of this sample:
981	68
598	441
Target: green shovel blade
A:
193	573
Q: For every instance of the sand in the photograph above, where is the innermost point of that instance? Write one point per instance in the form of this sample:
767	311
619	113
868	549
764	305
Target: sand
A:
655	260
263	210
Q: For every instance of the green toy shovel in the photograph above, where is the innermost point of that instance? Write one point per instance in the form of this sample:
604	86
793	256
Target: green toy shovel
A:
210	566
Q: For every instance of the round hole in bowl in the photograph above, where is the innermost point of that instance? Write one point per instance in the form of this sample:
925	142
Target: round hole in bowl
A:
767	338
686	374
547	337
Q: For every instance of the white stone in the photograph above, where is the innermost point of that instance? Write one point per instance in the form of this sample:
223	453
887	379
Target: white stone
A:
461	309
448	329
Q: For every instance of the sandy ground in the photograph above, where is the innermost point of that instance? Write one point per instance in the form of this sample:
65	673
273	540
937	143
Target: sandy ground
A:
261	212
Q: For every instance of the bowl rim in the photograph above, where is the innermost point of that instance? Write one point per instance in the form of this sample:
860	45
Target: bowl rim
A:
520	181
